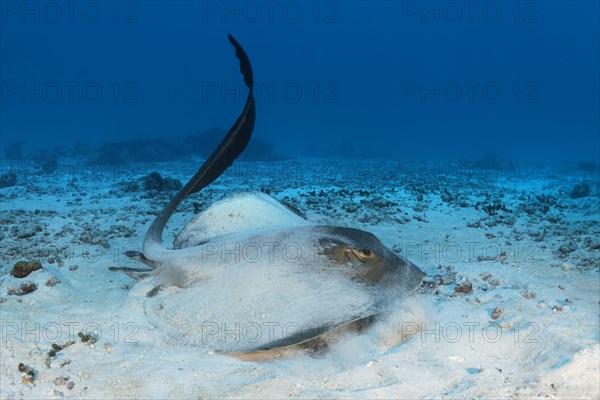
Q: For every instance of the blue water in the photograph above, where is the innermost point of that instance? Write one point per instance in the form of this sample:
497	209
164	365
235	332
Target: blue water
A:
401	80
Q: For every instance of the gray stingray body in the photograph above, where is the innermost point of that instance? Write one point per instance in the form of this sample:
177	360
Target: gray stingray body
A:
250	277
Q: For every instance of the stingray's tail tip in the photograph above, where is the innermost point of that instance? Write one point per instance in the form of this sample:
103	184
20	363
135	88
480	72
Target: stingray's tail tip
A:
245	66
233	40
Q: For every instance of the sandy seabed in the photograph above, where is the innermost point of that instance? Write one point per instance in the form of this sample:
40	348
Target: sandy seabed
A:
510	307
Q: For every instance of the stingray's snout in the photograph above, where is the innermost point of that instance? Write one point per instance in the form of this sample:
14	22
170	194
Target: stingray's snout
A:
412	275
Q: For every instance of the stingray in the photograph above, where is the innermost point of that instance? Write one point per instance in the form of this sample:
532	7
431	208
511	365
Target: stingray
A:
252	277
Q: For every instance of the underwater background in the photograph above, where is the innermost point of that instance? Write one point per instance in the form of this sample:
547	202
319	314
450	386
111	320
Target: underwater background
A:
459	135
401	80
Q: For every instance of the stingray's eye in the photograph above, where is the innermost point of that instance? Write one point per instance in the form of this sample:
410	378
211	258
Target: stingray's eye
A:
364	254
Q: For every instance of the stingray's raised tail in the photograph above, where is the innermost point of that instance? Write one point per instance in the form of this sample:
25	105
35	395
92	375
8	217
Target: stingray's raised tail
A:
230	148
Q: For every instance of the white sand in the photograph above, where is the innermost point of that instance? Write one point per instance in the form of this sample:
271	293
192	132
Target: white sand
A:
544	344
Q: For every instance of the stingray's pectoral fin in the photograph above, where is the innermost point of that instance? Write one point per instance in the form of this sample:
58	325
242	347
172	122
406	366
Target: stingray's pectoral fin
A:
304	343
135	273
